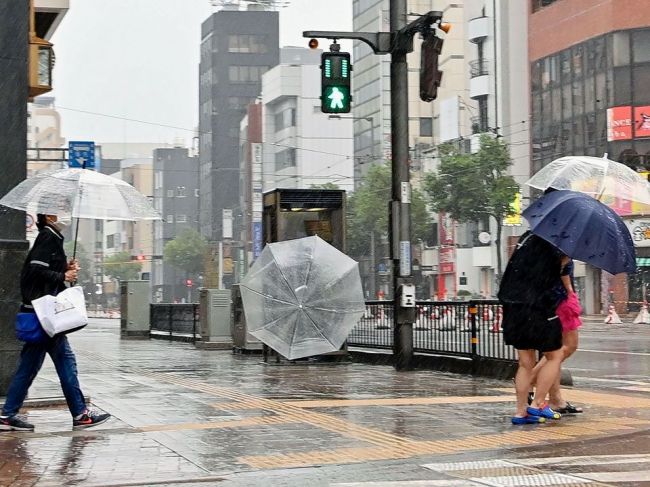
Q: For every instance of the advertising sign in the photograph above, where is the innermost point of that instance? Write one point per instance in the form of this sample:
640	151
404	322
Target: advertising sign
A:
515	217
619	123
642	121
640	230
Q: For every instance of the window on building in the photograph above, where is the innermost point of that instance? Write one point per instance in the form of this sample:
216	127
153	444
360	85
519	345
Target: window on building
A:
181	218
246	74
539	4
285	119
170	193
248	44
483	114
641	46
196	192
426	127
169	219
181	191
110	241
285	158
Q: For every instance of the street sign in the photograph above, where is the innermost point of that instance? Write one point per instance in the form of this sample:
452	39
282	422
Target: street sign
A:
81	154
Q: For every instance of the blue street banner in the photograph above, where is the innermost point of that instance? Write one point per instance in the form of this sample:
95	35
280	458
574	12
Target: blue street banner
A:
81	154
257	239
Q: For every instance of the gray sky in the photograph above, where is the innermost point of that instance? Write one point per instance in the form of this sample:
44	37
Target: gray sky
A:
138	59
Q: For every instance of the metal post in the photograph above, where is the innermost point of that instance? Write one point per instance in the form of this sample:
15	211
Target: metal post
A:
373	265
401	208
220	285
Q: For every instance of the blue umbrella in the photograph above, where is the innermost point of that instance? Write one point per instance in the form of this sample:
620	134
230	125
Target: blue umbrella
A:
584	229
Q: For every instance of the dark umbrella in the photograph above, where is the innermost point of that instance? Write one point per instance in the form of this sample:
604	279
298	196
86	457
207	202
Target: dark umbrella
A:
584	229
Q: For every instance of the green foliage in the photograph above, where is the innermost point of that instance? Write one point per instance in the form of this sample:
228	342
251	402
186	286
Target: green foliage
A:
328	185
368	211
120	266
186	251
470	187
84	278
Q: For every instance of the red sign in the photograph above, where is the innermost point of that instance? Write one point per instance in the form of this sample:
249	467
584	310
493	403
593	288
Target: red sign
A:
447	260
445	229
642	121
619	123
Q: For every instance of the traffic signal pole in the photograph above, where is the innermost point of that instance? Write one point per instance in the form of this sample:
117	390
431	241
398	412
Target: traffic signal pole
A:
400	210
398	43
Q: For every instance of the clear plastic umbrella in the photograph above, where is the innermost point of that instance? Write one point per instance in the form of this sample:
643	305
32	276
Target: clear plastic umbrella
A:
302	297
598	177
80	193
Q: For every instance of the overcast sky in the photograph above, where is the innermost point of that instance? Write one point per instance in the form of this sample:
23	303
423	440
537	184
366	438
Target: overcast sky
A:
138	59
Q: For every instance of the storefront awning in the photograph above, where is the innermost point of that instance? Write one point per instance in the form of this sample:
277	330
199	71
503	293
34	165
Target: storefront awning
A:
643	261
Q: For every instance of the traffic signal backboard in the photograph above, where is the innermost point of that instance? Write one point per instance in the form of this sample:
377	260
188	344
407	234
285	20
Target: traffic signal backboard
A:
335	82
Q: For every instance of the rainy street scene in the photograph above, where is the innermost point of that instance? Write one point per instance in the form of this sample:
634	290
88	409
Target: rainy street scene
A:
329	243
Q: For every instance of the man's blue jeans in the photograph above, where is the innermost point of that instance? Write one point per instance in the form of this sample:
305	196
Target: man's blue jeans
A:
31	361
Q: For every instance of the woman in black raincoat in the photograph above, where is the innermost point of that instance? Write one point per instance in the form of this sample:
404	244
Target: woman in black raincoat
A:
528	293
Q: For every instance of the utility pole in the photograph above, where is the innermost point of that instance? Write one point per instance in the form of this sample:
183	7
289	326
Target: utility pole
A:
398	43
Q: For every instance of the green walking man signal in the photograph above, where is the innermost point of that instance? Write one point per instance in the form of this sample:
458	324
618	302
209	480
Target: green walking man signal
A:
335	82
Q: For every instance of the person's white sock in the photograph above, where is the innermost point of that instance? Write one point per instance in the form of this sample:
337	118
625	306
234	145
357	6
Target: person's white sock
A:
79	416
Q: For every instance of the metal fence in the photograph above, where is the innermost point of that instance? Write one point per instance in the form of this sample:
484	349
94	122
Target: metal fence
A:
467	329
175	321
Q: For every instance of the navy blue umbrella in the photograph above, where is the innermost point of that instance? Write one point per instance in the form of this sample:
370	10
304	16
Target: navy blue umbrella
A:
584	229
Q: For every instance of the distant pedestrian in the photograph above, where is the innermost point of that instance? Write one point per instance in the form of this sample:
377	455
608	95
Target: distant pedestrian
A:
47	271
527	293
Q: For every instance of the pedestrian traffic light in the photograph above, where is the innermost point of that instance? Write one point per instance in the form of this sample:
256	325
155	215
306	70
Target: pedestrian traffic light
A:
188	282
335	82
430	75
140	257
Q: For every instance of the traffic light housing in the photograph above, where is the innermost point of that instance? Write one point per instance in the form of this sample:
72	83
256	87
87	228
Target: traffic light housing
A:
335	82
430	75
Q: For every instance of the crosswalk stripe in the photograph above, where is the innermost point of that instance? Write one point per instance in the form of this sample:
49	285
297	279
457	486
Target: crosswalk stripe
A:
585	460
534	480
411	483
637	476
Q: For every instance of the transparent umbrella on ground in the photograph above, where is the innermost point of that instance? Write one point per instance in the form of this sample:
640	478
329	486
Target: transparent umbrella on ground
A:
302	297
80	193
600	178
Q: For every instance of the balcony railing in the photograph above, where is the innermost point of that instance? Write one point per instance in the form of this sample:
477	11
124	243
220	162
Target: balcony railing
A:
477	68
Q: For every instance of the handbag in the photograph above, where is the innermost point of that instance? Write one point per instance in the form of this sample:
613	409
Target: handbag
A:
29	329
63	313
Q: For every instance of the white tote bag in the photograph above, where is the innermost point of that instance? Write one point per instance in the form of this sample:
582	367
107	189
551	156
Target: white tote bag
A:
63	313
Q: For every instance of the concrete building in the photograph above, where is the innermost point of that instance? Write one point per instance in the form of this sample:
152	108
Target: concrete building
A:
287	142
237	48
589	72
176	197
484	90
43	132
303	147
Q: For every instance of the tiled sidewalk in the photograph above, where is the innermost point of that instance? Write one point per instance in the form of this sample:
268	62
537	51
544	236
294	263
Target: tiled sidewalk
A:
203	417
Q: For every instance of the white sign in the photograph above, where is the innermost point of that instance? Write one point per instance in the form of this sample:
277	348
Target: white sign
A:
640	230
227	224
449	121
256	181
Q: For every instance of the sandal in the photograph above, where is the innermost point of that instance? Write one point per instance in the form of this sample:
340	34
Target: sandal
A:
568	409
517	420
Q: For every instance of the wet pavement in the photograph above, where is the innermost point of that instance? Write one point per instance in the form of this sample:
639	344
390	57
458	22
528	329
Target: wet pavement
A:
188	417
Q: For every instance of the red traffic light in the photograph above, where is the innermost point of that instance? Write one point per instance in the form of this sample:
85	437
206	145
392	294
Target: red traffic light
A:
313	43
140	257
188	282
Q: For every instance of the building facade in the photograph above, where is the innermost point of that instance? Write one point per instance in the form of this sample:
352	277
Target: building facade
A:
483	91
176	197
237	47
589	69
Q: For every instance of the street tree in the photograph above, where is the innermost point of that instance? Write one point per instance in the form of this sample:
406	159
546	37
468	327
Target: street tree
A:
368	211
186	252
120	266
472	187
84	277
